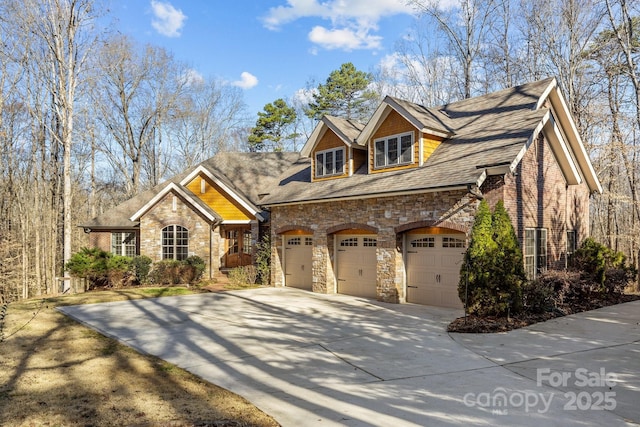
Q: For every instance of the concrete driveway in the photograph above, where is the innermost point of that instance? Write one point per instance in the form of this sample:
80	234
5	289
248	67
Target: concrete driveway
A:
329	360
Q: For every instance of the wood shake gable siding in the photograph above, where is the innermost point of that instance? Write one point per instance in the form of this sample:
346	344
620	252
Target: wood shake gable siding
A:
395	124
328	141
218	201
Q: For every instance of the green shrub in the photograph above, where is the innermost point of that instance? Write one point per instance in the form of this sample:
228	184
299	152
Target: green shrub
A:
88	262
119	270
165	272
538	296
492	274
243	276
141	266
263	260
595	259
193	267
172	272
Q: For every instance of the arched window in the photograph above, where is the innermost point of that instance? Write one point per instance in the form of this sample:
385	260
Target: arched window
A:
175	242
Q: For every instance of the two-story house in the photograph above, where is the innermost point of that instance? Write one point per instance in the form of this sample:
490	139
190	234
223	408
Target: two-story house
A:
383	209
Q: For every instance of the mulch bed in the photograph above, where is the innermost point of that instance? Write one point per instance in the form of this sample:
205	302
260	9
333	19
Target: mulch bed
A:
477	325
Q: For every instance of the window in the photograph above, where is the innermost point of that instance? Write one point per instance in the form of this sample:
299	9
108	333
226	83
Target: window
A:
246	242
294	241
452	242
175	243
330	162
572	242
369	242
424	242
351	241
308	241
535	251
394	150
123	243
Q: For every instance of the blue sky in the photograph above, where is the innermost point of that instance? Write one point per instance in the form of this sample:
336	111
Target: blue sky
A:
269	48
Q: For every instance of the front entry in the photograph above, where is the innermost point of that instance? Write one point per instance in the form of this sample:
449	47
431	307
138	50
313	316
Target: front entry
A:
433	268
238	247
357	272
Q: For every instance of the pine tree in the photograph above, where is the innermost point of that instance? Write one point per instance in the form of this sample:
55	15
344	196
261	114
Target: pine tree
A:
345	94
270	130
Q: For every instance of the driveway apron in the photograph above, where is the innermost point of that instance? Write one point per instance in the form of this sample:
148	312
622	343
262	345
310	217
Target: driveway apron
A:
334	360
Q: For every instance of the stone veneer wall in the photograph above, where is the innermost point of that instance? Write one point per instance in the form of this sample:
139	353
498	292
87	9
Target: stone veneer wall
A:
162	215
453	208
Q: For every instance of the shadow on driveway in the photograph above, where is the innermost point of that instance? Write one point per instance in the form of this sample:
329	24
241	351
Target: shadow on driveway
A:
310	359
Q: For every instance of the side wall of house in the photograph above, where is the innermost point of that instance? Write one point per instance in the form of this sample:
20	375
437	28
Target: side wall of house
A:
102	239
381	214
537	196
164	214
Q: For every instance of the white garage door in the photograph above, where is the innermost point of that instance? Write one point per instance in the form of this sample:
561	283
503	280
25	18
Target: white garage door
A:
356	259
433	269
298	261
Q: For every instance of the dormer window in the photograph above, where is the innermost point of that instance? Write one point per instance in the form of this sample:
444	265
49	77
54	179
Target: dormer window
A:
330	162
394	150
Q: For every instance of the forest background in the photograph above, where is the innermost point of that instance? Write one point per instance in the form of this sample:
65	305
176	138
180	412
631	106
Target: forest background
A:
89	117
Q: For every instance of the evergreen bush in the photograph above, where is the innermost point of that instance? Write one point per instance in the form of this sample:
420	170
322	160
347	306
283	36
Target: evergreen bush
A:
263	260
492	274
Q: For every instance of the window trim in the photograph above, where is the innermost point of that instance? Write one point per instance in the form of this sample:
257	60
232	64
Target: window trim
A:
173	245
323	153
533	261
123	245
399	155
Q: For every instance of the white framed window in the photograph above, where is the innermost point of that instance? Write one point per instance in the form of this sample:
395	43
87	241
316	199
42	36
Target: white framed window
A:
535	251
393	150
123	243
330	162
175	242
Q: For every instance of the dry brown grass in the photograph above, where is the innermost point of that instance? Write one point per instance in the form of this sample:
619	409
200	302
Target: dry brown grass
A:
56	372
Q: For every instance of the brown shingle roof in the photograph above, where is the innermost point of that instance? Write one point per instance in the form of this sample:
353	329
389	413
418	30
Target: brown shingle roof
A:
249	175
486	130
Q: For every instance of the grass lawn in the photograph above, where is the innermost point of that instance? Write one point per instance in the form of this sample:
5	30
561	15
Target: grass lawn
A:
56	372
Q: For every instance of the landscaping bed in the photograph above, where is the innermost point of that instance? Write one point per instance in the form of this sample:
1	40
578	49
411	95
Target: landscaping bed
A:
493	324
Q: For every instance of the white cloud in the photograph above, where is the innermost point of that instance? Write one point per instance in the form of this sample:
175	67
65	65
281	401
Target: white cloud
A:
247	81
168	20
346	39
304	96
352	22
192	77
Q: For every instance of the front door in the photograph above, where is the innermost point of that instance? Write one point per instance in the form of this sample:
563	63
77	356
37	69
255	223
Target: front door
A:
237	247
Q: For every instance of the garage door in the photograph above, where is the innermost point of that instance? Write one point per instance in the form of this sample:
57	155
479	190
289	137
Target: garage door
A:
298	261
356	259
433	269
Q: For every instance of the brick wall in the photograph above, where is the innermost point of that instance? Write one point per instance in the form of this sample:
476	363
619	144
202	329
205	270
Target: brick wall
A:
537	196
453	208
